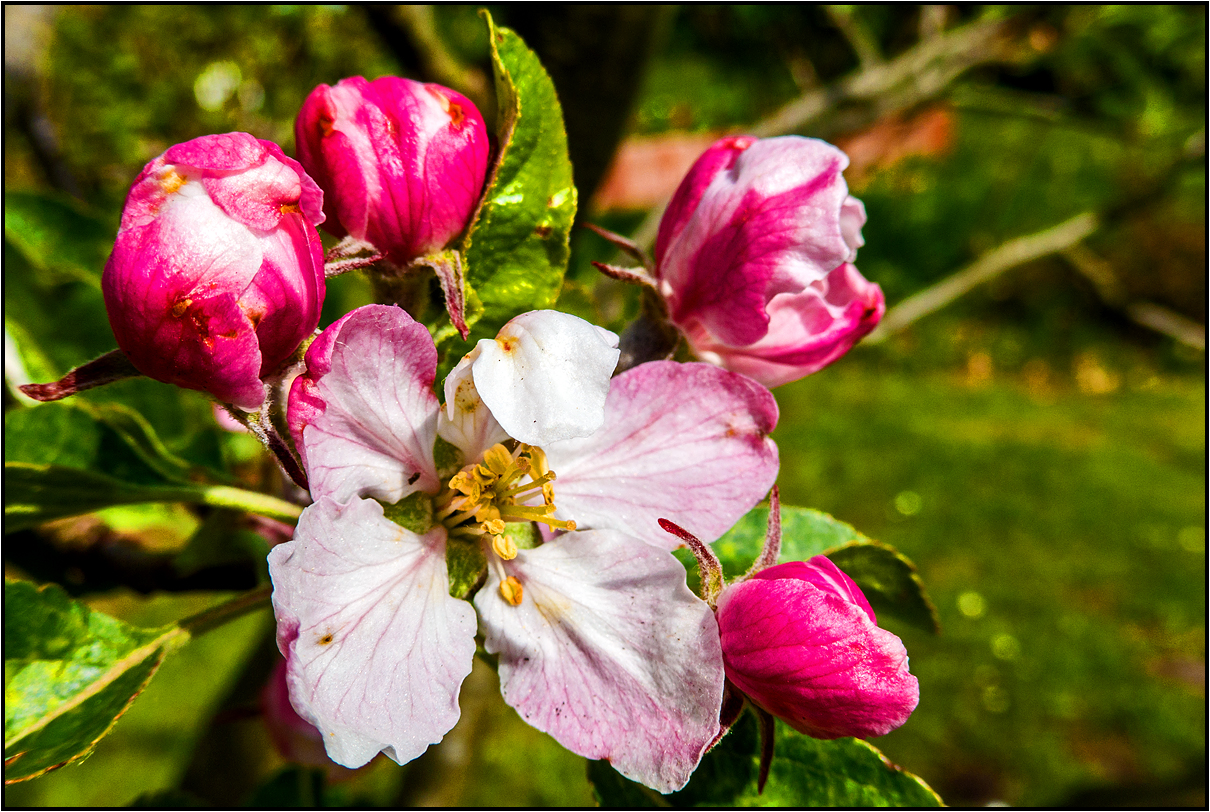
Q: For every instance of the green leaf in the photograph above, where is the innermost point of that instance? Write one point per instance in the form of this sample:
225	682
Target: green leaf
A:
56	237
516	249
889	581
63	459
613	791
804	533
810	772
885	575
69	673
806	772
727	770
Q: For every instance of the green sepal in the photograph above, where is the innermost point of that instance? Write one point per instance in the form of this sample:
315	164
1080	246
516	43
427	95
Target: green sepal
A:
448	458
413	512
524	534
466	564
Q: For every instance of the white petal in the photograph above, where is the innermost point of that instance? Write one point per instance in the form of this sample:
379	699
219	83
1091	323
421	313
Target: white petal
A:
546	376
376	648
465	419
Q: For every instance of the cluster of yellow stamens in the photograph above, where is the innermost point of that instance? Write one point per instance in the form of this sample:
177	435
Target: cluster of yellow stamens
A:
482	498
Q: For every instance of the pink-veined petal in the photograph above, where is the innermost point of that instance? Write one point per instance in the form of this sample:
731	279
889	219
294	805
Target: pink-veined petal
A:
683	442
610	653
376	648
364	415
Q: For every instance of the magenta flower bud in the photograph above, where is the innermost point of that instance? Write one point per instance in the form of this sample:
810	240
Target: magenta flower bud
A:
752	258
217	274
801	641
402	164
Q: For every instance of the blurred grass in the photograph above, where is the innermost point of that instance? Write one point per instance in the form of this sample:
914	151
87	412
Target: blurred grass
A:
1060	533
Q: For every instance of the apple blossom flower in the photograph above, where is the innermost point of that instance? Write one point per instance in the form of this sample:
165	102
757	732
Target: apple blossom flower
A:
216	275
753	258
801	641
402	163
600	642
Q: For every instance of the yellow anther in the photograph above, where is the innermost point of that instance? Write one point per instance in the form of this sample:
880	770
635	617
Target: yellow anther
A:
538	458
465	484
494	526
511	590
505	547
498	459
488	513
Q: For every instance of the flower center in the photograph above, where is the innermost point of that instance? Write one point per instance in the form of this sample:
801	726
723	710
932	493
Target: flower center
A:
480	499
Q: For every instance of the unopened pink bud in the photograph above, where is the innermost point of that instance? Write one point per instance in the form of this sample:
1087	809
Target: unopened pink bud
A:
402	164
753	255
217	273
800	640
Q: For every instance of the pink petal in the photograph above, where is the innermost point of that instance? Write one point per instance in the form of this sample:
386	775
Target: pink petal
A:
610	653
815	659
376	648
364	416
807	331
683	442
821	572
770	223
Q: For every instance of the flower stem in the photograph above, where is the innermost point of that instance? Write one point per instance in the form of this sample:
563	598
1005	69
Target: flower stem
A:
235	608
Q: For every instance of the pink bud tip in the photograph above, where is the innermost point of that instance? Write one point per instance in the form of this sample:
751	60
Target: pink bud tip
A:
402	164
216	275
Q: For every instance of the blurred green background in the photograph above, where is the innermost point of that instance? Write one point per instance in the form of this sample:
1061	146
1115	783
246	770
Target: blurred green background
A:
1037	446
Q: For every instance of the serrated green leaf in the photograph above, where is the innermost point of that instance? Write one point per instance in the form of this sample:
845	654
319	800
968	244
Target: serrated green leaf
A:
63	320
810	772
57	237
69	673
889	581
727	770
516	249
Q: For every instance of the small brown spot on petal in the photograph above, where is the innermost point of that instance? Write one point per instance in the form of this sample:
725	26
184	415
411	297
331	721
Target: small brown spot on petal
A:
327	638
290	208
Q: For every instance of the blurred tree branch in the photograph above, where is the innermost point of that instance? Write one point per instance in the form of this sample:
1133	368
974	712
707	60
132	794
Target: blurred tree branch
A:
993	263
1065	239
921	73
